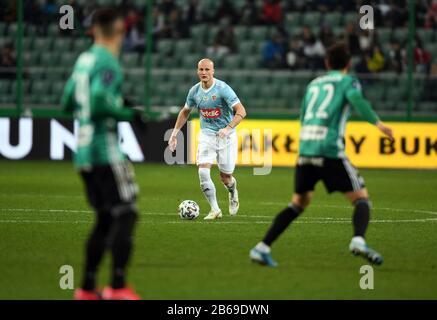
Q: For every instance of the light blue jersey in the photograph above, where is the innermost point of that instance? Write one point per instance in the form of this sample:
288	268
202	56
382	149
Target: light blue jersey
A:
215	105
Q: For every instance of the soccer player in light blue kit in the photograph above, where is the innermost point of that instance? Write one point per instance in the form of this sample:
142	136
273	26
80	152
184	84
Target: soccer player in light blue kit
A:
220	112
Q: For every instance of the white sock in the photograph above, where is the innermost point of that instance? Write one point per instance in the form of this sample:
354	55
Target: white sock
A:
231	186
208	187
359	240
261	246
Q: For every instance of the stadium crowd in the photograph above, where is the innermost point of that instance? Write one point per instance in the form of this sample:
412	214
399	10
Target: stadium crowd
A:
303	48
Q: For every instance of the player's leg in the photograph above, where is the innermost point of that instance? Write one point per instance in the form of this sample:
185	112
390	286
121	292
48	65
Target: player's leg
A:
341	175
306	177
96	243
360	220
206	155
361	214
230	183
226	160
208	188
120	191
262	251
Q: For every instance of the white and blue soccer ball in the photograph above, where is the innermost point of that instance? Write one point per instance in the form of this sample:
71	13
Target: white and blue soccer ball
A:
189	210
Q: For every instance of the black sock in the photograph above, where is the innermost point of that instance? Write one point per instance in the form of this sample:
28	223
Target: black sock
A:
281	222
95	248
361	217
121	246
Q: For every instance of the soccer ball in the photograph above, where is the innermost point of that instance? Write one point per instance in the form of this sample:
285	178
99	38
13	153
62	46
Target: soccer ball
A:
189	210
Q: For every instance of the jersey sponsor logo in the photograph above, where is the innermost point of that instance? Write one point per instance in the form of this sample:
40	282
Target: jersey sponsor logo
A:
211	113
107	77
313	132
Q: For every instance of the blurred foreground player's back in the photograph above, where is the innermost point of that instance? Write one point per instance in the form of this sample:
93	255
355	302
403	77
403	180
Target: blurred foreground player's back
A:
93	95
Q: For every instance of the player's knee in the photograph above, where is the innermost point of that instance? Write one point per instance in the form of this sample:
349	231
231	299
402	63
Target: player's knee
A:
124	218
104	220
362	202
297	209
125	212
301	200
225	177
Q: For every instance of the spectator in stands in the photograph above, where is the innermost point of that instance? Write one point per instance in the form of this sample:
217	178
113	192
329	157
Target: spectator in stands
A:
134	40
326	36
176	27
7	62
431	16
295	58
273	54
249	13
375	60
396	57
131	20
272	12
351	38
224	41
397	16
158	22
314	53
88	10
225	10
217	51
365	40
422	57
192	12
306	34
49	11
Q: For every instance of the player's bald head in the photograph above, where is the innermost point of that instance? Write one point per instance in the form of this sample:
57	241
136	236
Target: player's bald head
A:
206	63
205	70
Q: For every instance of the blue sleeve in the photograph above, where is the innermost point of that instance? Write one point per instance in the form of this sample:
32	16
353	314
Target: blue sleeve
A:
229	96
190	102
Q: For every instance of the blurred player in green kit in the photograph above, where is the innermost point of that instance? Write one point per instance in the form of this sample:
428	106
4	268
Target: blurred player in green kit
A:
93	95
324	113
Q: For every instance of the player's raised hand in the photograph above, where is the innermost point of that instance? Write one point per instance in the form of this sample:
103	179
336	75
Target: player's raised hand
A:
172	142
385	130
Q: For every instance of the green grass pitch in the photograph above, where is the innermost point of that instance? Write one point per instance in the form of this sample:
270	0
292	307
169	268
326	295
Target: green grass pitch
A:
44	221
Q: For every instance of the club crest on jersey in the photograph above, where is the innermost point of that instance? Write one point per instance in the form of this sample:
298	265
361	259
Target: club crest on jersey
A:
211	113
214	98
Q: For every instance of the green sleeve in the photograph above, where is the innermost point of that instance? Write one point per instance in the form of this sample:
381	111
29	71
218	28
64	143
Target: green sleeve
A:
106	102
67	102
363	106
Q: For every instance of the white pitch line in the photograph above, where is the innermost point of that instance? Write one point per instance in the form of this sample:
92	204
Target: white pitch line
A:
148	213
18	221
312	220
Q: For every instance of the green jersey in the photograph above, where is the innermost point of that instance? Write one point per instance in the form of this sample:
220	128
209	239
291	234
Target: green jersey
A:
324	112
93	95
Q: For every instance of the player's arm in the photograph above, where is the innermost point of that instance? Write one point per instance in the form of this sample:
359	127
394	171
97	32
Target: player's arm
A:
239	115
183	115
67	101
233	102
364	108
104	103
180	122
